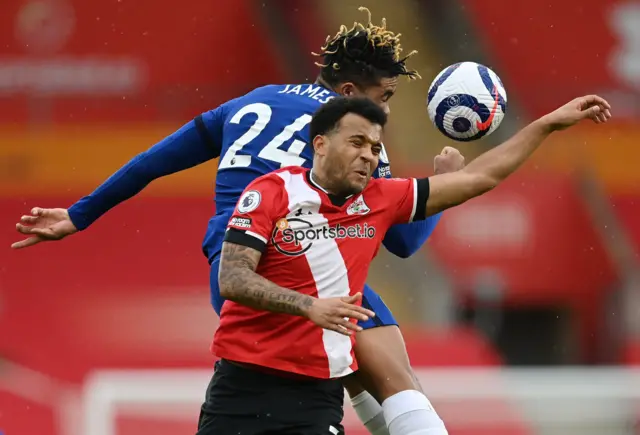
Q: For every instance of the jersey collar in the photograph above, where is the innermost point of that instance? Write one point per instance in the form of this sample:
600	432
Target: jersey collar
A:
336	200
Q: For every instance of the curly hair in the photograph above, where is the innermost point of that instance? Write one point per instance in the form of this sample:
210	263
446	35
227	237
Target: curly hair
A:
363	55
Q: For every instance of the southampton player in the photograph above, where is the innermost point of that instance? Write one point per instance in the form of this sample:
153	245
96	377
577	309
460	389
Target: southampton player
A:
296	255
299	245
262	131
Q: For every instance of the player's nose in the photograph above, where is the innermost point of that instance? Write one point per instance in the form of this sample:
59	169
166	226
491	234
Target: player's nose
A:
368	156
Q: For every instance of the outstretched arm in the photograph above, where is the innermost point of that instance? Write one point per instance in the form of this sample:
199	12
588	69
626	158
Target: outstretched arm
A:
190	146
492	167
195	143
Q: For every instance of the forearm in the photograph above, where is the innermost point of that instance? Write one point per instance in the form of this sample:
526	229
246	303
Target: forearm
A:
487	171
497	164
246	287
240	283
179	151
404	240
122	185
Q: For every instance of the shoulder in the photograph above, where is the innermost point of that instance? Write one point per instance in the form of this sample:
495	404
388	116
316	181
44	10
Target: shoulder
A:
374	188
386	185
383	182
277	91
283	179
287	172
249	97
279	178
275	178
264	190
293	98
269	191
266	90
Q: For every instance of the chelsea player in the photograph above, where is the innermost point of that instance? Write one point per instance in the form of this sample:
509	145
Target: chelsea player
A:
257	133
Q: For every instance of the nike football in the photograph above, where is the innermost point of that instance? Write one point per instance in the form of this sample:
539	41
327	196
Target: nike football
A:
467	101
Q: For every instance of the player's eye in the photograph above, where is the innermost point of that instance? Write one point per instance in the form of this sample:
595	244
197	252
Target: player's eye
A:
387	96
376	150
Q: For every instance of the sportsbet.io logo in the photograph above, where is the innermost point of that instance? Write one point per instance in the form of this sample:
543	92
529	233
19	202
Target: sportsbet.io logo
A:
295	236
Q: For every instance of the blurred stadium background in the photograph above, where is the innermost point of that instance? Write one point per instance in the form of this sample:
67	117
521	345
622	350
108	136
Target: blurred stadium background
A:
521	314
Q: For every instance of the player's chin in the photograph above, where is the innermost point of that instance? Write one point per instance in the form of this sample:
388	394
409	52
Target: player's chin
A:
358	183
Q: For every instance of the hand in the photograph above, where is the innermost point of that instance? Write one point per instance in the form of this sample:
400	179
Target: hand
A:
44	224
590	107
334	314
449	160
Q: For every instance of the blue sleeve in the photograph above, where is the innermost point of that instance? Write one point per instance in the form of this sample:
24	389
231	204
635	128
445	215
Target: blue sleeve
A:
404	240
196	142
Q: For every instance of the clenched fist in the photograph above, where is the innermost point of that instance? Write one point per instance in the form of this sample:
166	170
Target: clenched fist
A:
449	160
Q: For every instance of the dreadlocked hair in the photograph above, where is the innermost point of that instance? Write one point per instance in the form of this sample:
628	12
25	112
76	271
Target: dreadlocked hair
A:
363	54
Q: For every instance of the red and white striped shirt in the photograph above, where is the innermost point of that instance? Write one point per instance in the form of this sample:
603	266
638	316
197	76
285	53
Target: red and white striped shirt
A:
315	244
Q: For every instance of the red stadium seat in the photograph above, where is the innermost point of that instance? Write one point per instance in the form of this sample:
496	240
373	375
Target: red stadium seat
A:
458	346
631	353
22	416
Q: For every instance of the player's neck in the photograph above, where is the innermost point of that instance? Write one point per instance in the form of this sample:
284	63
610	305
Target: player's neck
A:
320	81
322	183
318	179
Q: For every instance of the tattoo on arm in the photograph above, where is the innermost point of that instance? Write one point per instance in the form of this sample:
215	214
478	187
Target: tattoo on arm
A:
240	283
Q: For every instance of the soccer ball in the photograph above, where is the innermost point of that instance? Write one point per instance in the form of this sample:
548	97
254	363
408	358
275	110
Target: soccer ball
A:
467	101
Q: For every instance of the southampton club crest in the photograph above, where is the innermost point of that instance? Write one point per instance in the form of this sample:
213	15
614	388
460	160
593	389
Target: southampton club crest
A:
358	207
249	201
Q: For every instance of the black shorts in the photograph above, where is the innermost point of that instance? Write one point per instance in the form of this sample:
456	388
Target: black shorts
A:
242	401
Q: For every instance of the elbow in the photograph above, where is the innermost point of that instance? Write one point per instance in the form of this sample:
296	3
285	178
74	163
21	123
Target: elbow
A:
482	183
225	283
404	252
399	248
408	249
226	292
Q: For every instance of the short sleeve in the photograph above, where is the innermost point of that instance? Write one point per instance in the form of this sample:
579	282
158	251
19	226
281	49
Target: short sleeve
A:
409	198
260	206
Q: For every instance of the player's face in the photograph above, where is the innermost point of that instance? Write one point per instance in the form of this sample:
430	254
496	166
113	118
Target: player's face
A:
351	154
382	92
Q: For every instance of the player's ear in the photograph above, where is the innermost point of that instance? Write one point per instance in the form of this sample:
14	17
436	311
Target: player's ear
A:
319	143
348	89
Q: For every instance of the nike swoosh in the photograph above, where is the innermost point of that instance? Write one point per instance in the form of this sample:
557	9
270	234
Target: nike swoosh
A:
482	126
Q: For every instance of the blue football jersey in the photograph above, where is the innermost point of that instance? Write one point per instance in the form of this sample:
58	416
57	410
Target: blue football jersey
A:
262	131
